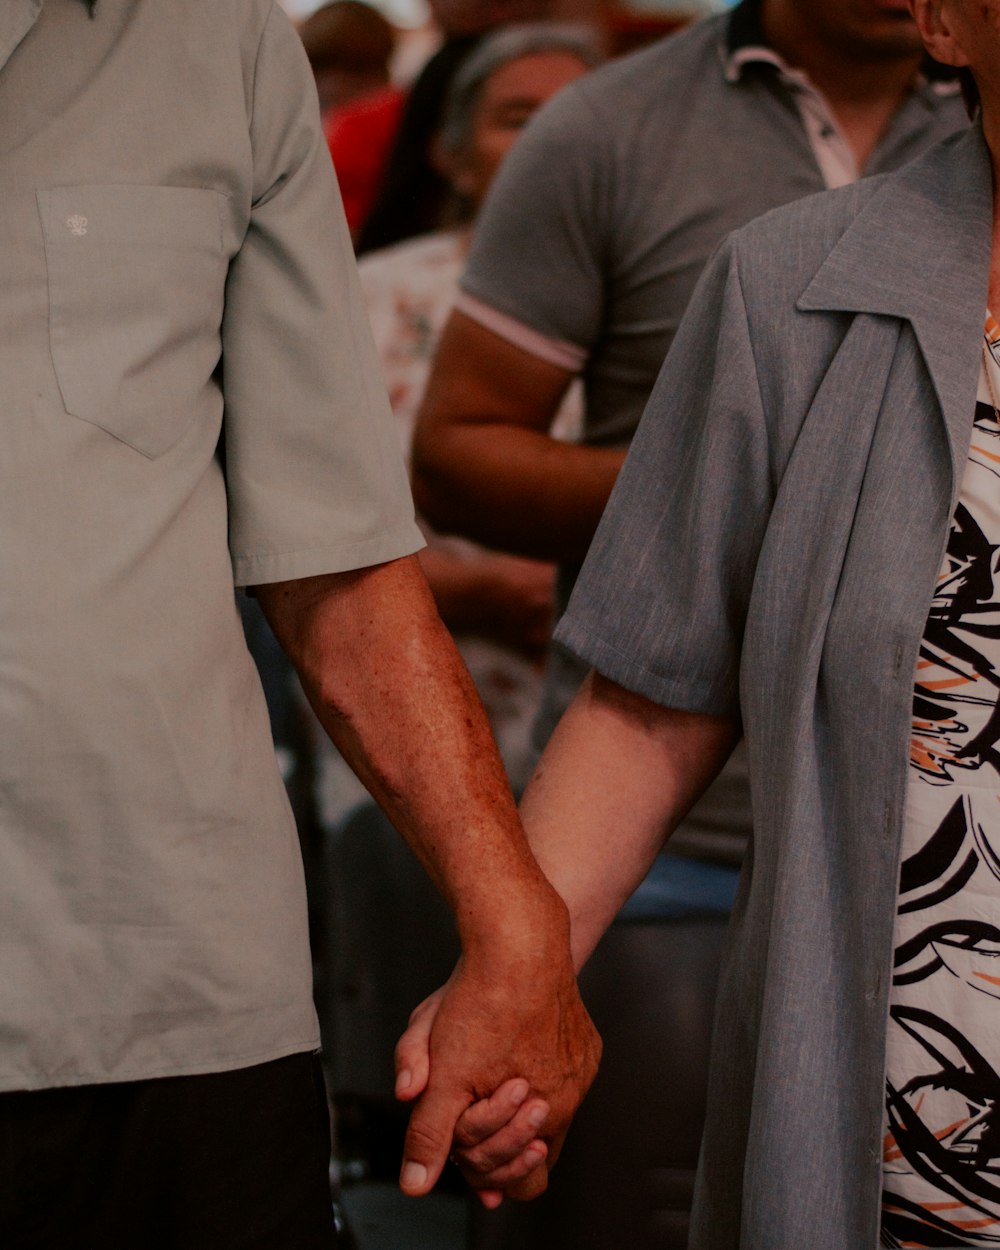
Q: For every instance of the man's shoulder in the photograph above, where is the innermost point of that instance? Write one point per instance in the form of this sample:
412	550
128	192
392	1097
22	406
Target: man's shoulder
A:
777	256
793	233
681	53
792	241
655	78
229	12
223	15
219	25
812	224
216	28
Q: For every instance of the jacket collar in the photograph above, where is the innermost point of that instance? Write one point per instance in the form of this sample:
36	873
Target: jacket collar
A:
919	249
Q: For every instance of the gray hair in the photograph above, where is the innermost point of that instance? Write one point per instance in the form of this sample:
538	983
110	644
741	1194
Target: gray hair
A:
498	49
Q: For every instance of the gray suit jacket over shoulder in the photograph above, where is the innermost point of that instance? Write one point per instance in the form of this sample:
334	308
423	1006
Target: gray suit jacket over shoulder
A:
770	552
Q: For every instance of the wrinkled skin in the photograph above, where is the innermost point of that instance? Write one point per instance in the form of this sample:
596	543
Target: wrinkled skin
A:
535	1053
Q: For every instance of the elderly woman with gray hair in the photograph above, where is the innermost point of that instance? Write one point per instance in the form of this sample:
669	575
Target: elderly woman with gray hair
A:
498	606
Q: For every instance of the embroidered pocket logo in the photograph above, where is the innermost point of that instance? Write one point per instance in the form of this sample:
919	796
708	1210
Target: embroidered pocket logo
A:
77	225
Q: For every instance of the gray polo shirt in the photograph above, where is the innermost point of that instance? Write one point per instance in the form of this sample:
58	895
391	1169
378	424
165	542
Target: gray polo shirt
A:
174	264
604	215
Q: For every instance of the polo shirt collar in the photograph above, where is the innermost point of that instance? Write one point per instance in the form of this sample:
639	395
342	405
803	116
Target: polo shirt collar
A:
744	29
745	42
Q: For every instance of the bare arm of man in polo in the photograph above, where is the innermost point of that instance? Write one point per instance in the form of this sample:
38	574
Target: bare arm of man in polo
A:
386	682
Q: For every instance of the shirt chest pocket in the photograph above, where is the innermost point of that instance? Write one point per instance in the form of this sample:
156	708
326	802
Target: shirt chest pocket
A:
136	294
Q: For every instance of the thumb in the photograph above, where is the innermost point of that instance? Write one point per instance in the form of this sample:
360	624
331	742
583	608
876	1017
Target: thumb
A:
412	1055
428	1139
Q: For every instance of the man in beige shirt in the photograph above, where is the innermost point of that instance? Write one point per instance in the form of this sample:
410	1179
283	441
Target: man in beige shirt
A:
177	280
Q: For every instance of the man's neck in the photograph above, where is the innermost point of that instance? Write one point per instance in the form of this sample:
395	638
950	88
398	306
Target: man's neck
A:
864	89
847	78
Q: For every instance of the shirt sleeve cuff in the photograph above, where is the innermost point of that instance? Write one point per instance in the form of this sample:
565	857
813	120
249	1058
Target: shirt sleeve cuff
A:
680	692
556	351
262	568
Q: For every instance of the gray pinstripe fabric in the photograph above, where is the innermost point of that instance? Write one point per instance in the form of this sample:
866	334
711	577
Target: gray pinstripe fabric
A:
770	550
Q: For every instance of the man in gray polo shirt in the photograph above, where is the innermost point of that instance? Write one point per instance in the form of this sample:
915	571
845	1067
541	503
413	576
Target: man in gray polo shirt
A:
175	266
589	248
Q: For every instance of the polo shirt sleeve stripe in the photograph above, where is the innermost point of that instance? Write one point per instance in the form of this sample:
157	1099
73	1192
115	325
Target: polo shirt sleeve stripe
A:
555	351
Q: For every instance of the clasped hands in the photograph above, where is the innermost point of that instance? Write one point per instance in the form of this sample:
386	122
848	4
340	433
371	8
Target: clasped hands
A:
496	1067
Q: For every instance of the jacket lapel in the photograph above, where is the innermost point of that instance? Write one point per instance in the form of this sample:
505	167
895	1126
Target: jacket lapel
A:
920	250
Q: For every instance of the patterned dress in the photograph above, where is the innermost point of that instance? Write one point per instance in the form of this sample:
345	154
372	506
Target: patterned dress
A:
941	1150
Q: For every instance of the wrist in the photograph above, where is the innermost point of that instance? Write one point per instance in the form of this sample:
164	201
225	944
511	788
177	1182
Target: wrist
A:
525	927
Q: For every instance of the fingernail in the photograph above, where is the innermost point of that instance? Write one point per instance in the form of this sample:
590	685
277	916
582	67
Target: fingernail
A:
532	1157
537	1116
413	1175
403	1081
518	1092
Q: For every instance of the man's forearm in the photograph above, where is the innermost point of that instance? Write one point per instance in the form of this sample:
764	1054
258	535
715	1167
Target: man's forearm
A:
484	462
617	776
516	489
386	683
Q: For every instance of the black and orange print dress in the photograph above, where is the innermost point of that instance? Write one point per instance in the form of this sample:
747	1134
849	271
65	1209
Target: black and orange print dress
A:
941	1150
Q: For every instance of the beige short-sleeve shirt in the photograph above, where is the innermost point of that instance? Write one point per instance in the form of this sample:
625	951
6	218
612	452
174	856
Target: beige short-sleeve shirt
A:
174	265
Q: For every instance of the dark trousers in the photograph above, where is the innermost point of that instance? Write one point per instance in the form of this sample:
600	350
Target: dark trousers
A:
223	1161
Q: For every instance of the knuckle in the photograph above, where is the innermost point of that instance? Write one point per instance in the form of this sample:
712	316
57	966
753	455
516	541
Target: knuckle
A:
499	1178
424	1139
466	1136
530	1186
520	1168
475	1174
478	1162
